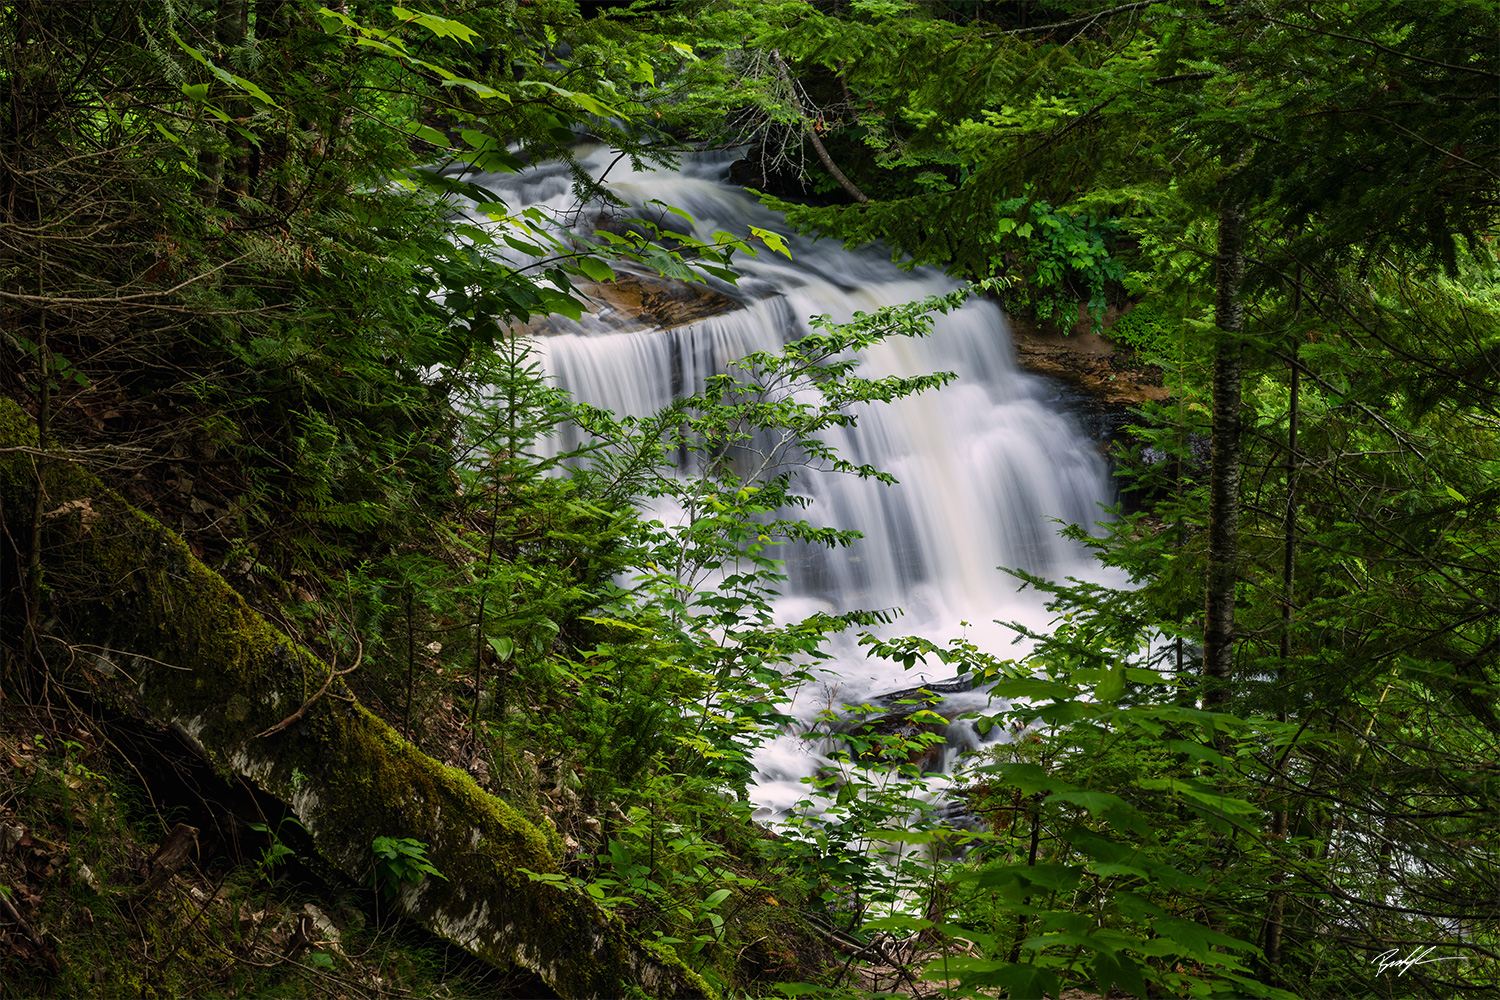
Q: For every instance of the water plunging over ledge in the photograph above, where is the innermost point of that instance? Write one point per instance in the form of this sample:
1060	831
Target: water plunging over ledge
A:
987	466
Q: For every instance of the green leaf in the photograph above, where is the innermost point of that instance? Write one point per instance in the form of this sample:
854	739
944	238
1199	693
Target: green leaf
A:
584	101
479	89
772	240
440	26
222	74
596	269
488	153
1029	778
196	91
1017	880
429	134
908	836
348	21
503	648
1115	968
1022	982
1197	751
253	90
1094	802
1135	907
1034	688
1113	686
1196	940
1202	794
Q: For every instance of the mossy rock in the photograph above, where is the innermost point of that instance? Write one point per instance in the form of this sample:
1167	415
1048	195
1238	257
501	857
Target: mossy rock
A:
150	628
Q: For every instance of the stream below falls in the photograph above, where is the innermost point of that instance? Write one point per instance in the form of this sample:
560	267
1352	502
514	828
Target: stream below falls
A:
987	466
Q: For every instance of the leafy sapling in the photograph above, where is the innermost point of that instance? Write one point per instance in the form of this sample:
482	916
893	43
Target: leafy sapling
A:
400	862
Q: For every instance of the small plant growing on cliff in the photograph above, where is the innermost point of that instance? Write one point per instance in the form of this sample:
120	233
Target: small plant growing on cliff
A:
400	861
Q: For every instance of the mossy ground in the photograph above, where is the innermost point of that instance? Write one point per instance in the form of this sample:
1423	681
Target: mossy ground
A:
78	828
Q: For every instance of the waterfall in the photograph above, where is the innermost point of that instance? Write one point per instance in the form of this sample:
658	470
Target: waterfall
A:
987	466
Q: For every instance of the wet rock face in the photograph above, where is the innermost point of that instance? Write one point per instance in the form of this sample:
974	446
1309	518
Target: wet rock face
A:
1088	362
638	302
653	301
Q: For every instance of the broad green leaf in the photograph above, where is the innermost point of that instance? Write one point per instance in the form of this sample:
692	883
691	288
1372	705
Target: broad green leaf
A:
347	21
1197	751
1094	802
1029	778
429	134
1202	794
1196	940
1022	982
192	51
221	74
392	48
440	26
584	101
595	269
772	240
1034	688
682	213
1135	907
1049	877
480	89
253	90
907	836
1116	968
1113	686
488	153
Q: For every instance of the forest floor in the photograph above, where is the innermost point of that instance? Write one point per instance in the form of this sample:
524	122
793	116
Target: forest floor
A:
113	885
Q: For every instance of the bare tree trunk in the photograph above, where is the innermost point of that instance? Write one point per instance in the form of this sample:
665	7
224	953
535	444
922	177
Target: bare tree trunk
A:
812	133
1224	473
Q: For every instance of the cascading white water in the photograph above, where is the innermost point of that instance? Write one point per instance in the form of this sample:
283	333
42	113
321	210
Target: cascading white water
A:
987	466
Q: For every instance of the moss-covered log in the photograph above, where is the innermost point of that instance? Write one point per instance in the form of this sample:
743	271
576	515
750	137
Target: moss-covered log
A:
149	626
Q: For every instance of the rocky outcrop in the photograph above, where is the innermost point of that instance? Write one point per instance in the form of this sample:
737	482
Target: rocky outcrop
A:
142	624
1087	361
634	301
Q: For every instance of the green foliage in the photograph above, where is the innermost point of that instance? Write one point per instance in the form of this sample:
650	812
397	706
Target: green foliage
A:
400	862
1066	257
244	287
1151	328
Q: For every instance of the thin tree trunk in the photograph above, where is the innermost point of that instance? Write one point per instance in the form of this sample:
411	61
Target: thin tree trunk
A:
1276	906
229	32
1224	474
812	133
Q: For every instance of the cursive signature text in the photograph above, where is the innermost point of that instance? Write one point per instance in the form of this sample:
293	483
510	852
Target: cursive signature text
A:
1392	959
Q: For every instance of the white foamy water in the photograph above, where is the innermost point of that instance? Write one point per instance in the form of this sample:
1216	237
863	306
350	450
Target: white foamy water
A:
987	466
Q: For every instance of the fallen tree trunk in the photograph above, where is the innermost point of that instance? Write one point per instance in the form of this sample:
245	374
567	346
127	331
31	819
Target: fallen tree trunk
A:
142	623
